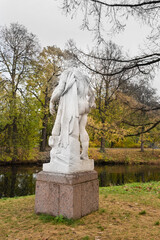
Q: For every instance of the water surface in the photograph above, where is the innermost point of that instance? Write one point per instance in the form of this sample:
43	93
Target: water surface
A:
20	181
121	174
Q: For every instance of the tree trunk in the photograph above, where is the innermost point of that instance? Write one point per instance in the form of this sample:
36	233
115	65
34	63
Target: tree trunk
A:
14	140
112	144
43	142
142	146
8	139
102	148
142	141
14	124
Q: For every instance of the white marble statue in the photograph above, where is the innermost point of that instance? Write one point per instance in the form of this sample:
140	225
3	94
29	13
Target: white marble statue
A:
75	97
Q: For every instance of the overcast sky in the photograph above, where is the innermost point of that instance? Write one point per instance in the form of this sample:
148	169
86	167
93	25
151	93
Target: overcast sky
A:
44	18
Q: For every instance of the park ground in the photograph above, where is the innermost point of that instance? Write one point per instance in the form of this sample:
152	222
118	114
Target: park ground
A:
127	212
111	156
125	156
118	156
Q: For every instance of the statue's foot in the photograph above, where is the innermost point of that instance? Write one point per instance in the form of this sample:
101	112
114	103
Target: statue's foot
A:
83	156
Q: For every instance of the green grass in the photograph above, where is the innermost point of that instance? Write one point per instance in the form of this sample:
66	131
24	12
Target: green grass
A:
157	223
133	189
85	238
131	211
59	220
102	210
143	212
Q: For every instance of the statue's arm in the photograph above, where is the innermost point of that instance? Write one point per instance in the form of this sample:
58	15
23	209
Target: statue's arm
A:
57	93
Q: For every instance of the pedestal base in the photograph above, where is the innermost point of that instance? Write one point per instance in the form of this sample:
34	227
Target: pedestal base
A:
71	195
78	166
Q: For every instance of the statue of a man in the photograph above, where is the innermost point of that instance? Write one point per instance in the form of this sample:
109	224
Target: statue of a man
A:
75	97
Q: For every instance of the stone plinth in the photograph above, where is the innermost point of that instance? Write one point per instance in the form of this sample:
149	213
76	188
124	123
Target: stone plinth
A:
67	159
78	166
71	195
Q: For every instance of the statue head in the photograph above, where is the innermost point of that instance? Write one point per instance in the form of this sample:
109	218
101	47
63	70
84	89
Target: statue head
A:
69	63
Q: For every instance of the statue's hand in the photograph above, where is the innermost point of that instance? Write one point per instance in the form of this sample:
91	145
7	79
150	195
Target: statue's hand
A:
92	105
51	108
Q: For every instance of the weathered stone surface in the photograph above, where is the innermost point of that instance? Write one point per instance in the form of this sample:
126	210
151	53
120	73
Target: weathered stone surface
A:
90	194
73	178
46	200
76	97
70	201
73	165
71	195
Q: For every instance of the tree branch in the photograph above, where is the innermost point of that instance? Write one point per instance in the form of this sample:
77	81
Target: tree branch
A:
123	5
147	130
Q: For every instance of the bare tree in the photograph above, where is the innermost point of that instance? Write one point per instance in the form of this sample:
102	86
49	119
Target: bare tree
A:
104	64
143	118
18	49
100	63
97	14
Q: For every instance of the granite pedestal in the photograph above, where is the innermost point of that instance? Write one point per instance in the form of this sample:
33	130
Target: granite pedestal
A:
71	195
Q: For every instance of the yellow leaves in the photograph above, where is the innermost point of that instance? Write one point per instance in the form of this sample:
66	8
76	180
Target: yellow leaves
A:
110	131
128	100
121	117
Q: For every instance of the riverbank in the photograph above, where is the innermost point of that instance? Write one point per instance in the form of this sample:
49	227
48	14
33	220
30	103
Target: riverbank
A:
130	212
111	156
125	156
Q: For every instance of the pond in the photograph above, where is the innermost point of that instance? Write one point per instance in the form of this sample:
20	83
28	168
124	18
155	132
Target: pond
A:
20	181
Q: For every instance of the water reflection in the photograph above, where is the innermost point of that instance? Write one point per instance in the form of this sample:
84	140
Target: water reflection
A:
118	175
20	181
17	181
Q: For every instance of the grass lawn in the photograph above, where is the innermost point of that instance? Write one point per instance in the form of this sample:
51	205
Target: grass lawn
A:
125	212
